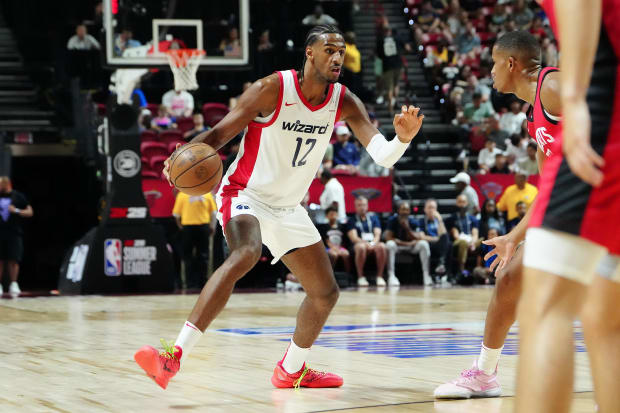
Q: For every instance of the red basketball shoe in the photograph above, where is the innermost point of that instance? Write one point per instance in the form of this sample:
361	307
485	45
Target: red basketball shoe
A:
161	367
305	377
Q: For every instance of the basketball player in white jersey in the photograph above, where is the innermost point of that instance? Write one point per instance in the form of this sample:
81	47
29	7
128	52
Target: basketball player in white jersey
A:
290	117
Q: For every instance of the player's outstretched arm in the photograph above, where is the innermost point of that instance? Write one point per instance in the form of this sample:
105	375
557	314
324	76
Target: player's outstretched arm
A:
261	97
407	125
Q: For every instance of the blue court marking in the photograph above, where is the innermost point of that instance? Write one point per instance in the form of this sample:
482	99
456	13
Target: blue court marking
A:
408	340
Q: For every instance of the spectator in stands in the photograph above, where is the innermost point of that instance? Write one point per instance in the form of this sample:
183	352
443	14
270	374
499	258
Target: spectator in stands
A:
520	191
462	182
195	216
550	53
468	41
178	103
333	195
232	102
333	235
486	157
490	218
352	66
265	54
516	147
199	127
13	207
482	273
233	150
494	132
512	121
328	158
434	231
402	235
124	41
427	21
521	211
230	45
162	121
522	15
81	40
463	229
498	18
477	111
318	17
529	164
501	164
364	232
144	120
537	29
346	153
389	49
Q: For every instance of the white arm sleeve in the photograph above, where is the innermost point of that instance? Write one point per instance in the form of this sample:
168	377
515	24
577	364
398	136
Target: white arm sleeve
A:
386	153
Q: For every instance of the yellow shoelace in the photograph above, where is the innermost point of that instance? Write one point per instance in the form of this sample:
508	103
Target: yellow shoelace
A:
169	349
297	382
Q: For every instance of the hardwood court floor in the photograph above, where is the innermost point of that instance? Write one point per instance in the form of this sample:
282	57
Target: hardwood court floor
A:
74	354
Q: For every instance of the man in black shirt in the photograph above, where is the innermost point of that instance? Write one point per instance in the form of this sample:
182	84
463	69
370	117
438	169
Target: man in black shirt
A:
13	207
333	235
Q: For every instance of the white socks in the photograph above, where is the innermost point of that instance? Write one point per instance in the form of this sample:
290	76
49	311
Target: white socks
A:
294	358
187	339
488	359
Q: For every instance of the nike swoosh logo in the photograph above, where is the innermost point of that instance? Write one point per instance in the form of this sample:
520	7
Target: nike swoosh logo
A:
289	104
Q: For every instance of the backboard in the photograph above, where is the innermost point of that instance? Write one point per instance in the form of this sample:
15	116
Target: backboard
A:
138	32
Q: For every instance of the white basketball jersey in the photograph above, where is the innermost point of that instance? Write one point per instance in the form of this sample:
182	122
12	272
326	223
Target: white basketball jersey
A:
280	155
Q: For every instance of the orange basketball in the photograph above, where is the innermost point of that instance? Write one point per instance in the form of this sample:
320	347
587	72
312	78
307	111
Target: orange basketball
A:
195	168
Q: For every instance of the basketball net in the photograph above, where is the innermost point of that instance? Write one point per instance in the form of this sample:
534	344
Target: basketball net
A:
184	64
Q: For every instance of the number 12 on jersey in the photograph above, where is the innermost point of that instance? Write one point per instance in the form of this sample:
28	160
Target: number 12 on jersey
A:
309	142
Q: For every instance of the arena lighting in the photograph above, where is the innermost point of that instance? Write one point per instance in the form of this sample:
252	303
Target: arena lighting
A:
442	100
406	10
420	48
436	87
410	22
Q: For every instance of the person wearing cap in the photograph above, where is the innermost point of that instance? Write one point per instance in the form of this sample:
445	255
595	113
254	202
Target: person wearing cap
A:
521	191
462	182
346	154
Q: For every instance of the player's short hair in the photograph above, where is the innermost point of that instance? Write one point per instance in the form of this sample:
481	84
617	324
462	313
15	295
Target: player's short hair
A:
313	35
522	45
331	209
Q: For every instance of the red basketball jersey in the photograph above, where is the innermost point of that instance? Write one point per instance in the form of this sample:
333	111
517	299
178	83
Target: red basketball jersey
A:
546	131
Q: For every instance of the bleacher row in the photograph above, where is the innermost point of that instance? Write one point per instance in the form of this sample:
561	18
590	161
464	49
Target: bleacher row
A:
156	147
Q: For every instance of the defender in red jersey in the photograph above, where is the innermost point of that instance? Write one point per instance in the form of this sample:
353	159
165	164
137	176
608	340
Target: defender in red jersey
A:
572	254
517	69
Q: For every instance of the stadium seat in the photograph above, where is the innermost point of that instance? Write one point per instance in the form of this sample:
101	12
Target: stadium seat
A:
153	107
171	135
149	136
213	113
185	124
150	149
172	145
149	173
157	162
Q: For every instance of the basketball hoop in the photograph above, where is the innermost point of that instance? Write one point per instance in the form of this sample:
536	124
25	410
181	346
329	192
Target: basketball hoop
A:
184	64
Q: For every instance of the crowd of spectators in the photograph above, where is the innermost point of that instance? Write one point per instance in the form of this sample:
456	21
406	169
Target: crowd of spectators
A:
456	38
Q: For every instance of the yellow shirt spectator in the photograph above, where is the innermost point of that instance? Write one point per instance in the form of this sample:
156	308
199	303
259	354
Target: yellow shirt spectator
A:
194	210
352	58
512	195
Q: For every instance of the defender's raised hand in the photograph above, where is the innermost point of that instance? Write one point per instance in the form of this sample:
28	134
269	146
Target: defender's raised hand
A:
408	123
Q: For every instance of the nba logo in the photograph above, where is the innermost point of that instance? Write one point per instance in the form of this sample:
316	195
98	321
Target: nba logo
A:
112	257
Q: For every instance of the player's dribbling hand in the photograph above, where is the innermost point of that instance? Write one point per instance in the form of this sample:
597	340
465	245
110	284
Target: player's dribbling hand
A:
504	248
407	123
582	159
166	170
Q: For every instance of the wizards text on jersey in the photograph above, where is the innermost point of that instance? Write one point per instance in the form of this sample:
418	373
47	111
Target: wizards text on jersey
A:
303	128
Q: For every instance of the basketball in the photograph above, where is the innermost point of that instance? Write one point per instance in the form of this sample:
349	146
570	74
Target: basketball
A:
195	168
